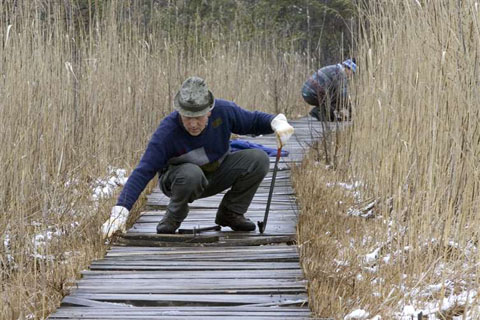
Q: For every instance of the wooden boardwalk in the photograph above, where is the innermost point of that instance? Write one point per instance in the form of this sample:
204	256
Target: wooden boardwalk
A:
213	275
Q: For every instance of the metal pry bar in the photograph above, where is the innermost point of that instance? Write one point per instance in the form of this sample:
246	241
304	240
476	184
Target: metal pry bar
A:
263	224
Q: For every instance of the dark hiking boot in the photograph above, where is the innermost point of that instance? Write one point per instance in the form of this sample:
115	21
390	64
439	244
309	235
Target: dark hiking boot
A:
167	225
236	221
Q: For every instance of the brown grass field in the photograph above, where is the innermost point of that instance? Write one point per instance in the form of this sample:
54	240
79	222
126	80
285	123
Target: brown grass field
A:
74	106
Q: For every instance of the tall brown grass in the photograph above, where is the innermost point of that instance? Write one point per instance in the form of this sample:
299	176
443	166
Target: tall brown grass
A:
79	97
414	145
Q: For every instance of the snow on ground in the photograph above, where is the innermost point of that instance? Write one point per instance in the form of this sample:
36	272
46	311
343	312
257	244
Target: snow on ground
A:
418	300
357	314
102	188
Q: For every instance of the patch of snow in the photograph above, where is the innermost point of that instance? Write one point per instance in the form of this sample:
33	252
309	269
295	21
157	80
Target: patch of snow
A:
366	211
359	213
372	257
350	186
43	257
104	188
409	311
387	258
373	269
44	236
6	240
6	244
358	314
341	263
430	309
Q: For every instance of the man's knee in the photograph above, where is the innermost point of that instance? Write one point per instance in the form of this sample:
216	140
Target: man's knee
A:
260	160
186	178
191	171
190	176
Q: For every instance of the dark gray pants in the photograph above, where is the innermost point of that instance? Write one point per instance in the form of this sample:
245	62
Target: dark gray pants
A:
243	171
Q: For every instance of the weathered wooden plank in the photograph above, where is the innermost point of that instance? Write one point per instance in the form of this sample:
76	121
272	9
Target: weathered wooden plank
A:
244	259
280	200
200	238
176	315
155	290
201	283
182	311
208	203
201	204
205	220
195	299
201	255
274	229
280	257
245	241
208	211
238	249
85	302
230	312
198	214
205	256
295	274
186	317
279	191
208	220
192	265
213	211
227	310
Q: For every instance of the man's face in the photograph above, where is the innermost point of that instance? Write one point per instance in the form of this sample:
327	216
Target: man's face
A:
195	125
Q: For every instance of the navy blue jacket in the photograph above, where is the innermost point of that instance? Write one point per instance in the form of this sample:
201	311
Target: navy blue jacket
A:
172	144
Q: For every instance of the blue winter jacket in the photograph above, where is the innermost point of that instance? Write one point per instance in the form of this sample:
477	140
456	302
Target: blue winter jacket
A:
172	144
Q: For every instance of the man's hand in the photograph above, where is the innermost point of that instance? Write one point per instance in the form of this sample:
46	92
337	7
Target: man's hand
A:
282	128
117	221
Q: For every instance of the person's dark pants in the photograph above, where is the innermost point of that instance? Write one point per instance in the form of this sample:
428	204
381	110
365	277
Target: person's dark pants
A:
320	113
320	106
243	171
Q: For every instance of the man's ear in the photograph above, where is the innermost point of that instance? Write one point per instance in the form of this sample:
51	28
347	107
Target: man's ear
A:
209	113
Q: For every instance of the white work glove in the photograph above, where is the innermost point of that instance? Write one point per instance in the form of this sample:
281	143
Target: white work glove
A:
117	221
282	129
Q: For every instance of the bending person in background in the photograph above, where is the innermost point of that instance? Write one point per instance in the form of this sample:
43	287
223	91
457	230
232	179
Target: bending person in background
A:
327	91
191	152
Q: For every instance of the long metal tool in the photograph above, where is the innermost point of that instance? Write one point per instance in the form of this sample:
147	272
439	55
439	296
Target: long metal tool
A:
263	224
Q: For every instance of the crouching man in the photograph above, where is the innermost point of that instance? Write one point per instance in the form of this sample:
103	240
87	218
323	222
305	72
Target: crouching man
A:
191	151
